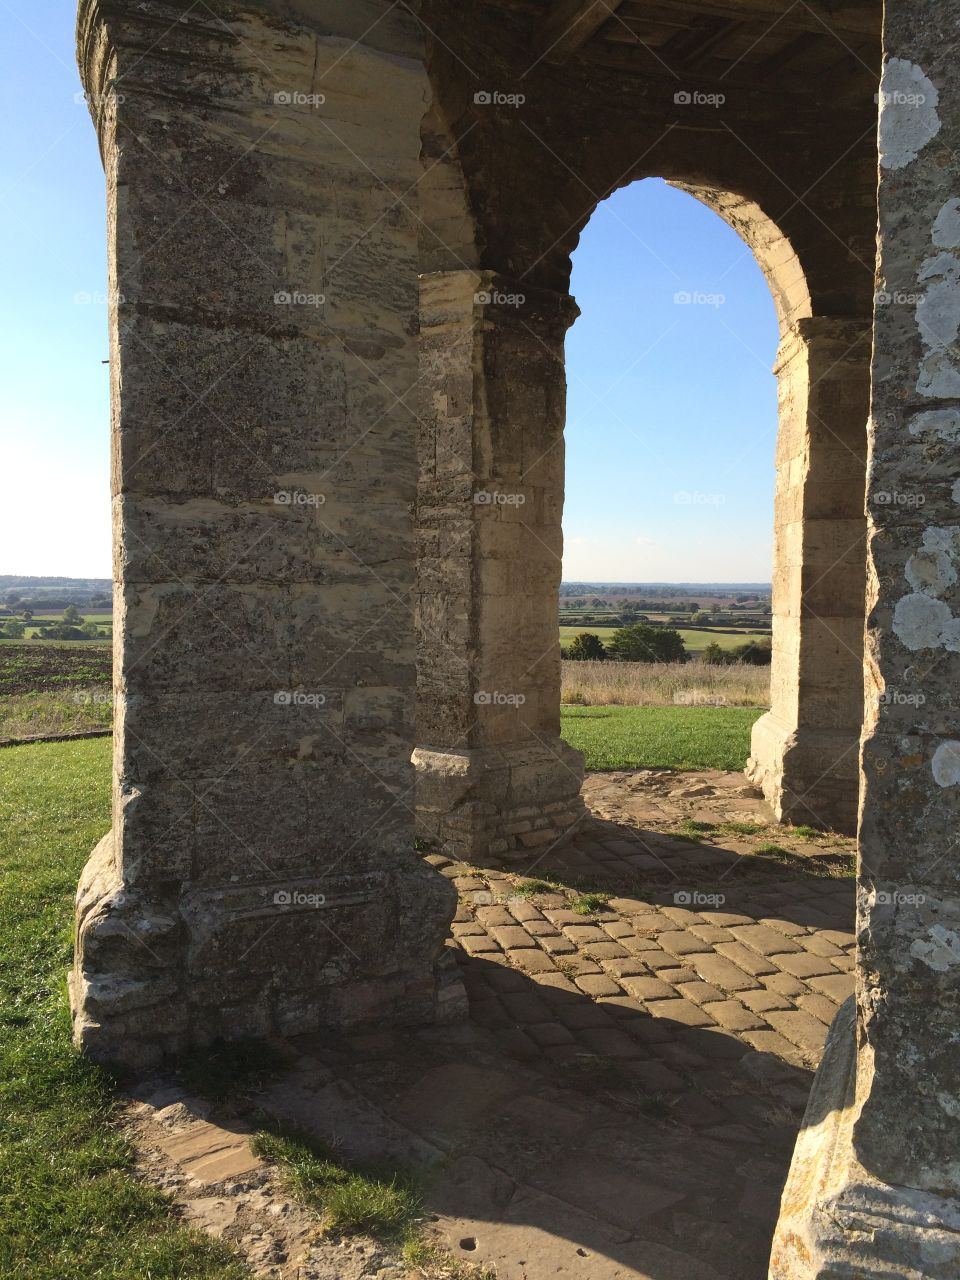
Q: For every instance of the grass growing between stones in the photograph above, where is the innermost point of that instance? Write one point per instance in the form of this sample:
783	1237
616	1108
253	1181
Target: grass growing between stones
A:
70	1205
531	888
224	1072
387	1207
660	737
587	903
436	1263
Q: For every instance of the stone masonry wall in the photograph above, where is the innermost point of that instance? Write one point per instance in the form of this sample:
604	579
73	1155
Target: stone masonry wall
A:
260	875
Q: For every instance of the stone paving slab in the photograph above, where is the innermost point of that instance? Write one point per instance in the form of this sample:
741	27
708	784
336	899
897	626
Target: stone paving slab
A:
697	994
210	1153
623	1102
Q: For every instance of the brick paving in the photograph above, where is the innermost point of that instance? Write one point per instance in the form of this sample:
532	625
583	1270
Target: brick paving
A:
623	1101
689	1004
715	938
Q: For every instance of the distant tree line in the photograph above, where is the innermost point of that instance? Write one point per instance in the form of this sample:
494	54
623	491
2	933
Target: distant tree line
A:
641	642
72	626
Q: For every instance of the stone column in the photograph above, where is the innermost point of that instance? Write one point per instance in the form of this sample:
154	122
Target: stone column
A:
804	750
260	876
875	1185
493	774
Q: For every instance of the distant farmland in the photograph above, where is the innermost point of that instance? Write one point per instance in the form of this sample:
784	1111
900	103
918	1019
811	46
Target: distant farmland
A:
48	618
696	641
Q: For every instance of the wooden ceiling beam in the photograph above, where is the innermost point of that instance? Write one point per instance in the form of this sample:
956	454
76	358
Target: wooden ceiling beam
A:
796	48
693	45
853	17
644	63
570	24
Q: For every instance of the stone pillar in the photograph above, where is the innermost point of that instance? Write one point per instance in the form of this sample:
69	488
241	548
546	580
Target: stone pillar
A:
260	876
804	750
493	774
874	1189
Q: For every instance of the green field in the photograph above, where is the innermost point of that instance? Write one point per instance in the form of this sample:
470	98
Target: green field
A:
660	737
62	644
91	615
695	641
71	1204
103	618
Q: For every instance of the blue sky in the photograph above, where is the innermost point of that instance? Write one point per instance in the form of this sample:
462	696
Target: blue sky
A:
55	514
672	406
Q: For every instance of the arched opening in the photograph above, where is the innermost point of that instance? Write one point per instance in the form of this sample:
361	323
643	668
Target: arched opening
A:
494	772
670	442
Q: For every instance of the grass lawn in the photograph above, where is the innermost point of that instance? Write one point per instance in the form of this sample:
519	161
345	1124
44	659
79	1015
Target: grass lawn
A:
660	737
70	1207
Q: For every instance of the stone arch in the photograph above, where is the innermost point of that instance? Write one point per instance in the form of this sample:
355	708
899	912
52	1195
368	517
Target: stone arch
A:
487	785
803	752
772	249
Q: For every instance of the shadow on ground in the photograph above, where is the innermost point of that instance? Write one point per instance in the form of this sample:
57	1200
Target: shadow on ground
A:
623	1096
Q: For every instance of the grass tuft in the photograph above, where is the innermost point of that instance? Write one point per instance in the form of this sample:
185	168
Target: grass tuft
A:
691	827
774	851
349	1201
530	888
805	832
434	1262
588	903
741	828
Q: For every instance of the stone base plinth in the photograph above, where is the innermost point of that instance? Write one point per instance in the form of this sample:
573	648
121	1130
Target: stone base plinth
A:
807	775
498	800
836	1219
159	970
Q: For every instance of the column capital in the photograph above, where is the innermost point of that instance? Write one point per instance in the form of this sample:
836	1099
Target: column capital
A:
836	337
496	296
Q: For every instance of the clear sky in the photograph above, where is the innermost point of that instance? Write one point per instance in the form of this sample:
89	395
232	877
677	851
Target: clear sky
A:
672	406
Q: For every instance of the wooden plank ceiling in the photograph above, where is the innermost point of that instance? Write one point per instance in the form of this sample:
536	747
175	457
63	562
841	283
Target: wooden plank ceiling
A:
797	45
